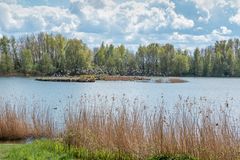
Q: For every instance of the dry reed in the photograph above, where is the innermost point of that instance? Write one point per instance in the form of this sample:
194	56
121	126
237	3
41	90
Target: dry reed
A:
19	123
188	128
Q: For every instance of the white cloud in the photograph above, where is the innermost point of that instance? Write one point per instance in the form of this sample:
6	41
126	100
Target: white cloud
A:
177	37
222	31
207	6
132	22
234	3
9	1
6	18
168	3
129	16
179	21
126	21
94	21
189	41
16	18
235	18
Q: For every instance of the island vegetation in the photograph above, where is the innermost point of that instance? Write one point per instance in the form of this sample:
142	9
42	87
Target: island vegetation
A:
48	54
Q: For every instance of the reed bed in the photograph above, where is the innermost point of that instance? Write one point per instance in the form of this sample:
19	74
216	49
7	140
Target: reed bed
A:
191	127
17	122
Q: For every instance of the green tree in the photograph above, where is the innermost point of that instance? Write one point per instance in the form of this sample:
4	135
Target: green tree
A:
181	64
217	64
6	63
27	61
78	57
207	62
141	60
100	56
197	63
46	65
14	53
59	58
230	60
167	57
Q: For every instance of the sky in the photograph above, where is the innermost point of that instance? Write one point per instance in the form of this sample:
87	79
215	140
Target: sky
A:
185	23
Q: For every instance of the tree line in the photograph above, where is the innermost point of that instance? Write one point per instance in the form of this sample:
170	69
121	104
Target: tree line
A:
48	54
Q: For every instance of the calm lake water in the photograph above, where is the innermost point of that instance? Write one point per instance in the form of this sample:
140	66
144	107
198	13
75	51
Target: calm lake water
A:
58	94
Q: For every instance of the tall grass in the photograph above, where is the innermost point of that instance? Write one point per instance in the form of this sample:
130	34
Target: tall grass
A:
188	128
17	122
194	128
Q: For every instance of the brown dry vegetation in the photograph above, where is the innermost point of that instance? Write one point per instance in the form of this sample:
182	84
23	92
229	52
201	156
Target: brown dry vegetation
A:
17	123
82	78
170	80
190	128
201	132
121	78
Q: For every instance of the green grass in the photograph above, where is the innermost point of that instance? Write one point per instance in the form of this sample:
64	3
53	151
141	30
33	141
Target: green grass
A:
6	148
40	150
54	150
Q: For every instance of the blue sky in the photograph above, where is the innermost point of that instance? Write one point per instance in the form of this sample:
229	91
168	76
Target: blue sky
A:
184	23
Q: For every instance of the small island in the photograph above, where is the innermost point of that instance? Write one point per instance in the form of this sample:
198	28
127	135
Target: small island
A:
83	78
94	78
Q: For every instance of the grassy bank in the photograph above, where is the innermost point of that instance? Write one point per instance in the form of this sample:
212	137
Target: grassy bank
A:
55	150
6	149
130	130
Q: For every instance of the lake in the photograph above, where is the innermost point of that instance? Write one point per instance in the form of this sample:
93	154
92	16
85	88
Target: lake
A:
58	94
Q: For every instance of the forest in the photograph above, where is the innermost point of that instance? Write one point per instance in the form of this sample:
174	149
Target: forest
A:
50	54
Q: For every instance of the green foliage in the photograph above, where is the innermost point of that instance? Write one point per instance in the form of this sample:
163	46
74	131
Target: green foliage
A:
78	56
27	61
99	58
6	63
181	66
48	54
4	45
207	63
197	63
54	150
46	64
